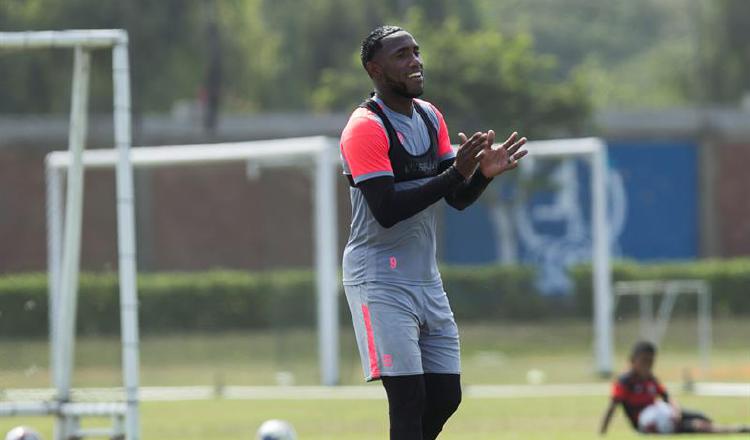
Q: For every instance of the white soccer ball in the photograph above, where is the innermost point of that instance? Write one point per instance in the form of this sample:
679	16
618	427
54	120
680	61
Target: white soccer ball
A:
22	433
276	430
657	417
535	376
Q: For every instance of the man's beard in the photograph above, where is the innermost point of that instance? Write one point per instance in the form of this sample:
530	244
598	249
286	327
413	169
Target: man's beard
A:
400	88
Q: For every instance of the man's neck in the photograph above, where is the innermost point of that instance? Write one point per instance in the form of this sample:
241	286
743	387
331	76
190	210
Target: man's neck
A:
397	103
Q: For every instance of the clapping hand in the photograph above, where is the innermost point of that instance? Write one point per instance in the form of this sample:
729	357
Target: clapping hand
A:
495	161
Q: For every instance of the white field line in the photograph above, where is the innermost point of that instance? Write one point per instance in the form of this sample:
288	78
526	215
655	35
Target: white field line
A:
371	391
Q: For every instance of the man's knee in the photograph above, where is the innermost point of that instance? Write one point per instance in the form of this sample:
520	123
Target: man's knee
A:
443	398
445	403
406	405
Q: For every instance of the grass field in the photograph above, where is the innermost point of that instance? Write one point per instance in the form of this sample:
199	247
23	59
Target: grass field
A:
477	419
491	354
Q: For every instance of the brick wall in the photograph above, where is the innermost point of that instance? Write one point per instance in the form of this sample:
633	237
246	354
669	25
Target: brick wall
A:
188	218
732	192
22	215
214	216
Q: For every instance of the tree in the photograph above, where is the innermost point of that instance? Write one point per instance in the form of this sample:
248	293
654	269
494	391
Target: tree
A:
479	78
724	52
164	63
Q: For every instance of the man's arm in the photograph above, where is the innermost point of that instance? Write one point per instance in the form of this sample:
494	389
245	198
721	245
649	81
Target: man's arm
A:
390	206
468	191
493	163
662	390
608	416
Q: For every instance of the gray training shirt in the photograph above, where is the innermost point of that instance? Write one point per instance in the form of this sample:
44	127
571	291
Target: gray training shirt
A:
406	252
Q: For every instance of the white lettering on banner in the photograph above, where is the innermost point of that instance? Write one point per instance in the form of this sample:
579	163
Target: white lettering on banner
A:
519	229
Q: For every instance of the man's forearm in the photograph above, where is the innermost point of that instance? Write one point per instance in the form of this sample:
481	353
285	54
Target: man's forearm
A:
468	191
390	206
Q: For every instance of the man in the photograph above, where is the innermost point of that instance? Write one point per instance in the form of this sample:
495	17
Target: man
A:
397	156
638	389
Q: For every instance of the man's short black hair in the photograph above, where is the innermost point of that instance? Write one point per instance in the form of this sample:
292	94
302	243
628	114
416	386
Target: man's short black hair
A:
371	45
642	347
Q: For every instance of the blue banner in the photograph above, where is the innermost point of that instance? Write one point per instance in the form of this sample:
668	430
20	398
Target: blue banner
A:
541	214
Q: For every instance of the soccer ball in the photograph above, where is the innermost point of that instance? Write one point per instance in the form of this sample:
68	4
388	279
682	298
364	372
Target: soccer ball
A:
23	433
657	417
276	430
535	376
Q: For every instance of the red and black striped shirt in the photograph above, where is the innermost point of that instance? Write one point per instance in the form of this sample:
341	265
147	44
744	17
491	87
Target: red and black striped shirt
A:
636	393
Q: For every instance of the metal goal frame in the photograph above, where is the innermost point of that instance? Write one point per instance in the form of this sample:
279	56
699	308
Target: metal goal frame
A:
63	280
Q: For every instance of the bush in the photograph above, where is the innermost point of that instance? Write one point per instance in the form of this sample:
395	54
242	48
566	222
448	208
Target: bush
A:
729	281
213	300
223	300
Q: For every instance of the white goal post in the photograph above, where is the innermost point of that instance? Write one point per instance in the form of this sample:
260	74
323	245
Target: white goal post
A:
594	151
63	281
322	154
654	325
317	154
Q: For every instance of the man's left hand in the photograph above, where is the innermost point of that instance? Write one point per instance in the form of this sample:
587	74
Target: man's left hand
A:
496	161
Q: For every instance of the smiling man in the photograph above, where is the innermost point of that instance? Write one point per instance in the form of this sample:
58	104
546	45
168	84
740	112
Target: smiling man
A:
398	158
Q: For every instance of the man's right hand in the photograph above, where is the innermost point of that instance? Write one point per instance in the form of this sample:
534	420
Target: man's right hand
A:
468	154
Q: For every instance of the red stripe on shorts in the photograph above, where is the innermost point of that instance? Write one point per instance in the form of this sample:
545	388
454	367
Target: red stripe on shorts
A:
373	354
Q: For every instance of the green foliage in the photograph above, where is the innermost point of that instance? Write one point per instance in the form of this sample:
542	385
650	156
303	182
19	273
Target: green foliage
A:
574	30
634	54
165	49
729	281
222	300
479	78
251	63
724	72
494	292
529	61
167	301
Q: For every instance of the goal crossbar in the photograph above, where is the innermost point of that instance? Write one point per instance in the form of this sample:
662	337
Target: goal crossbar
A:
88	38
198	154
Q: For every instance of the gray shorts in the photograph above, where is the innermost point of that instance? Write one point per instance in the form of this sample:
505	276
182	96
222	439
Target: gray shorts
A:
403	329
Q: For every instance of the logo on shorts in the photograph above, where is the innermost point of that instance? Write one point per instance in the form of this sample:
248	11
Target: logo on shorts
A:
387	360
393	262
400	137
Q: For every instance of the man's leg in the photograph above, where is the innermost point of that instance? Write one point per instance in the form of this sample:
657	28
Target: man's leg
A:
387	330
443	395
441	360
406	404
693	421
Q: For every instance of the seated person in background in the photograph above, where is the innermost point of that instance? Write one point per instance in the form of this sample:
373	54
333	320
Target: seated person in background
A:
647	403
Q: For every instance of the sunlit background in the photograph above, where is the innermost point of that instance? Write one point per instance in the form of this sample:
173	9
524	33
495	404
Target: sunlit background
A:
226	253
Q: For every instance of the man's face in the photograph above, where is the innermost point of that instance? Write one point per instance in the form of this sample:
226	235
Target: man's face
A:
398	65
642	363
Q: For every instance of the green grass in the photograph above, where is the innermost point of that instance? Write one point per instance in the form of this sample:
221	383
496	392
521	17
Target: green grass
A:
477	419
491	353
